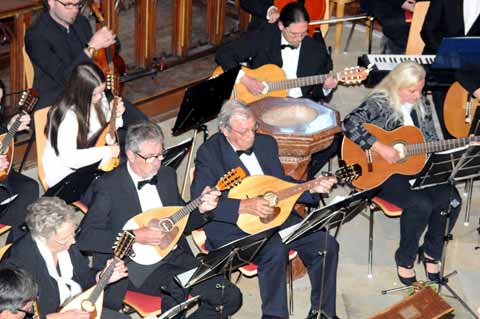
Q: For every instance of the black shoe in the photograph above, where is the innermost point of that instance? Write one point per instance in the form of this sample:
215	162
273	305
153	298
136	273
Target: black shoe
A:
432	276
407	281
313	314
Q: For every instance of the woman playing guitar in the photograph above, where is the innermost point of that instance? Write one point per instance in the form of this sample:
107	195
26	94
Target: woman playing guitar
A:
396	102
75	122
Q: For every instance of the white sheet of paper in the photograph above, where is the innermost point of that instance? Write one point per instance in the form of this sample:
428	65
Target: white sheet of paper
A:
9	200
184	277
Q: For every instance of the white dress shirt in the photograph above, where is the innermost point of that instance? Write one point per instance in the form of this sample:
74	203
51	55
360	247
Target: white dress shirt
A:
290	65
471	11
148	195
70	157
406	111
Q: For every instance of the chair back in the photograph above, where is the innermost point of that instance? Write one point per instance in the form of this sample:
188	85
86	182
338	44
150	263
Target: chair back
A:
40	120
415	43
29	73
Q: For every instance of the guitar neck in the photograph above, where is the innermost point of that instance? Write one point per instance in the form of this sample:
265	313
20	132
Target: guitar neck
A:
439	146
103	281
113	118
190	207
300	82
9	136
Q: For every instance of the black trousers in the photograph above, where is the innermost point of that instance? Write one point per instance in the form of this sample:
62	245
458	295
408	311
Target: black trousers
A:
272	269
27	190
215	293
392	18
421	211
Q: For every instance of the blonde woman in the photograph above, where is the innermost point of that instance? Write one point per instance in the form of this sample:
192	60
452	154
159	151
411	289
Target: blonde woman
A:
395	102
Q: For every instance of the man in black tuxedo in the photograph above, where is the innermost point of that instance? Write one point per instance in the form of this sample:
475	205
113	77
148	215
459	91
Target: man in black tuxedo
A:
60	39
235	145
140	185
287	45
446	18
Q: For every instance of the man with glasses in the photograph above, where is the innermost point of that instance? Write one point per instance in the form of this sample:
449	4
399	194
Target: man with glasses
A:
140	185
18	293
287	45
60	39
237	144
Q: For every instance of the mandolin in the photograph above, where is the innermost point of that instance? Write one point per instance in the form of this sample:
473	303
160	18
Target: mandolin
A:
109	136
26	104
408	141
459	110
281	194
172	221
276	84
91	300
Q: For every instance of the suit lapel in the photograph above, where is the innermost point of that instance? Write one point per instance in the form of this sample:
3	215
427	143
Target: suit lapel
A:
262	158
231	156
277	51
164	189
130	188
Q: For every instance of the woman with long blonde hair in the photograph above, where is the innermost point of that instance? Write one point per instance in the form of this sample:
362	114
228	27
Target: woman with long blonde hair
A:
395	102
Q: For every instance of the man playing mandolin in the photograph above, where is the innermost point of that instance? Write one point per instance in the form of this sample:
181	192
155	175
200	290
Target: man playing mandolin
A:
140	185
238	144
396	102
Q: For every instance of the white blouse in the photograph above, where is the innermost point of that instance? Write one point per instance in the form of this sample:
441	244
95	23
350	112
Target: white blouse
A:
70	157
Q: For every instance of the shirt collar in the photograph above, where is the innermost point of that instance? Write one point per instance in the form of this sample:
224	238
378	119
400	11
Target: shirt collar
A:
284	41
134	176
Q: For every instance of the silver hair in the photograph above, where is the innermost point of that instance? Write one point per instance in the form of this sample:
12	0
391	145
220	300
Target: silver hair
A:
47	214
233	108
142	132
17	288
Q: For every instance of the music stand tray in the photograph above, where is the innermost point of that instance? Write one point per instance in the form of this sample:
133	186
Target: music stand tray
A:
229	257
202	102
330	216
464	163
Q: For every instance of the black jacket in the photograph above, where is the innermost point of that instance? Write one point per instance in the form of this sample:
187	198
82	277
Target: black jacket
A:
262	46
52	56
445	19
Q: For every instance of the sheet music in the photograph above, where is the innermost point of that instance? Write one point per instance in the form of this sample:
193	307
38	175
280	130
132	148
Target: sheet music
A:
185	277
286	232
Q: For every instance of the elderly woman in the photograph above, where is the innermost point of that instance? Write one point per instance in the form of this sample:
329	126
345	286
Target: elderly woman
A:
48	253
395	102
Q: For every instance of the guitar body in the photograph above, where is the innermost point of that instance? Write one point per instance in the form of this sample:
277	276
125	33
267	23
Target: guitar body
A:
76	303
9	156
379	170
458	115
315	8
102	141
148	254
266	73
254	186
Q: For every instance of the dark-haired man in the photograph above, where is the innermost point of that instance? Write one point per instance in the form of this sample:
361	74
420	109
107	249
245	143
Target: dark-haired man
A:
60	39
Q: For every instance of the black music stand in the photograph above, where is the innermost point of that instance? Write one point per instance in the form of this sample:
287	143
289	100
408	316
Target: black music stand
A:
328	217
202	103
174	311
450	168
72	187
176	153
226	259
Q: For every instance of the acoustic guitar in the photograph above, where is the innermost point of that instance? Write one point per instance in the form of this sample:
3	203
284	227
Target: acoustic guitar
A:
458	110
281	194
91	300
172	221
110	131
408	141
276	84
26	104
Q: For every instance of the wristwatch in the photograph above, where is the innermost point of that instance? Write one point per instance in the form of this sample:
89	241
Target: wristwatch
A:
91	50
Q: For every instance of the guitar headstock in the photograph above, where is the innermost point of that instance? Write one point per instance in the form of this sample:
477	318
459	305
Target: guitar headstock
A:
28	100
348	173
353	75
123	244
231	179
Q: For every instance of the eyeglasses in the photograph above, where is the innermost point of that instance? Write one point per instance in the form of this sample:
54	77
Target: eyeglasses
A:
252	130
70	5
70	237
151	158
28	313
296	34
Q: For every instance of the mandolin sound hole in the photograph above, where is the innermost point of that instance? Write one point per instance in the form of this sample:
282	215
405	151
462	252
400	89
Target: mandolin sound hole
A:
168	238
290	115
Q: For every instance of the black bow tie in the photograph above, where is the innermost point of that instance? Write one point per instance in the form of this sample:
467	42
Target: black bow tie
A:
151	181
283	46
247	151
